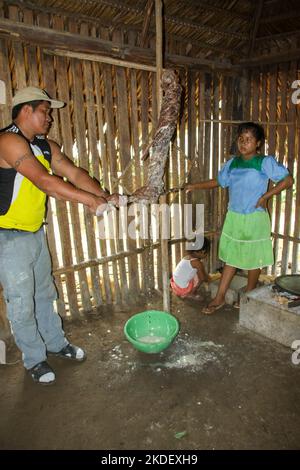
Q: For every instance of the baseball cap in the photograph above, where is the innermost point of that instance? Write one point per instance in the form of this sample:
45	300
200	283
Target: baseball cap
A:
32	93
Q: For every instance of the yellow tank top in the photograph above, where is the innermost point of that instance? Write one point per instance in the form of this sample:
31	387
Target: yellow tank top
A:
22	204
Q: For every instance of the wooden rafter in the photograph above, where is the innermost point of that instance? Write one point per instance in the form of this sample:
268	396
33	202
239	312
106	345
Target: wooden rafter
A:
81	17
215	9
146	24
278	36
178	21
54	39
281	17
276	58
175	20
255	26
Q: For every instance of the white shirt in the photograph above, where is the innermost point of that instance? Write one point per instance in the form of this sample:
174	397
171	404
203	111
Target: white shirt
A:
184	272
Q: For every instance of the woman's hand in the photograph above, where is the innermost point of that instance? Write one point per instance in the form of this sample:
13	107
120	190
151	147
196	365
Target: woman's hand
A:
189	187
209	184
262	202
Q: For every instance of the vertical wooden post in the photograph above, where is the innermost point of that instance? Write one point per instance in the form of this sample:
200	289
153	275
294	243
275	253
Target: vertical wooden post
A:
163	199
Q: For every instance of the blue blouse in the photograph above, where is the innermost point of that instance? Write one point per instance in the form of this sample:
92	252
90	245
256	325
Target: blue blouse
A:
248	180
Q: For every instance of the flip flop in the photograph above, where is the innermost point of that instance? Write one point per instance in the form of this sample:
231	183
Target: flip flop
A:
209	310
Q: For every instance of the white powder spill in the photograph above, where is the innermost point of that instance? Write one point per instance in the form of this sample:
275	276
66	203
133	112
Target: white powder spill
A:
152	339
185	353
193	355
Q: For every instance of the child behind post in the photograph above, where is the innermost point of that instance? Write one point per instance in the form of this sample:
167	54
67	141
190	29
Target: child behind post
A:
190	272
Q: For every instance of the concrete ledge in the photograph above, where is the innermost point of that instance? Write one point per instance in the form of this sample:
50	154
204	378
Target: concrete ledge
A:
260	312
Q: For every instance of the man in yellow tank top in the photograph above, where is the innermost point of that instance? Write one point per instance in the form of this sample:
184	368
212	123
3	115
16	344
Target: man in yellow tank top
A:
26	158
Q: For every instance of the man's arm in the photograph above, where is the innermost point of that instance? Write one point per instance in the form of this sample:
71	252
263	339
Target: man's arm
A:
64	167
16	153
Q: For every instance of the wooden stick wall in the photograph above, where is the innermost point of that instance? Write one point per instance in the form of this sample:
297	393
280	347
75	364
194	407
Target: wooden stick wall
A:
109	119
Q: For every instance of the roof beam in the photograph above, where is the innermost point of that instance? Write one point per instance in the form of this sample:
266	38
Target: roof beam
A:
146	25
63	41
269	59
215	9
281	17
278	36
255	26
126	27
176	20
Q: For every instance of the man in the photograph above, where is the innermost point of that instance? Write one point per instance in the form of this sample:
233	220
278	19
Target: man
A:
26	157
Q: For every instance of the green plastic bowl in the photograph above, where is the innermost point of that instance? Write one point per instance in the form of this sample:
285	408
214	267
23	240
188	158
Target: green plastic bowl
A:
151	331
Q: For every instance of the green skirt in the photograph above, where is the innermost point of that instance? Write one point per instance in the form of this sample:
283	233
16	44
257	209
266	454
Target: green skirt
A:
245	241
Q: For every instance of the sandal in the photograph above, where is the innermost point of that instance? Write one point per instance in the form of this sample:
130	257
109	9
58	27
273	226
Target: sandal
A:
210	309
70	351
42	373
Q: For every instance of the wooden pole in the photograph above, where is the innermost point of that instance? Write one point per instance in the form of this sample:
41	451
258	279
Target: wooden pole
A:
163	199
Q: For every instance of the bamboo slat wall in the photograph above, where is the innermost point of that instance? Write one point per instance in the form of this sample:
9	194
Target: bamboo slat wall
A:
109	120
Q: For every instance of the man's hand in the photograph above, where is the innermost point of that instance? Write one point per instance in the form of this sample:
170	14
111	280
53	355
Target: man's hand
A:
97	205
262	202
114	199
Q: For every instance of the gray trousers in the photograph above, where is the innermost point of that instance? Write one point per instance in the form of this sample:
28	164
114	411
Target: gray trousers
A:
29	291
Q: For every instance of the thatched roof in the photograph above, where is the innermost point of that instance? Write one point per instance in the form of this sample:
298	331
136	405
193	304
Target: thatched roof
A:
214	31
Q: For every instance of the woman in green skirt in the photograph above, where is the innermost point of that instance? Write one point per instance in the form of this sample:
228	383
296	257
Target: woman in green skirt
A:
245	241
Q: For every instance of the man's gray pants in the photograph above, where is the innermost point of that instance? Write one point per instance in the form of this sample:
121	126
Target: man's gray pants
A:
29	291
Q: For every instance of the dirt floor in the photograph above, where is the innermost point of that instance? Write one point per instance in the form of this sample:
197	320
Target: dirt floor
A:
218	386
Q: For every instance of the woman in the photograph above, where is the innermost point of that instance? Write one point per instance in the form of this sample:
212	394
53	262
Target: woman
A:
245	241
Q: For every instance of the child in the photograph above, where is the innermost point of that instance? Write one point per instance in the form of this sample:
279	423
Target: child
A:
190	273
245	241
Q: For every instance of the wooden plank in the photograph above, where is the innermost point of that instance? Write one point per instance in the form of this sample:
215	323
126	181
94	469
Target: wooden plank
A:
49	84
67	139
282	91
135	144
19	74
146	23
103	174
31	56
183	197
51	39
207	159
264	101
175	154
163	199
92	160
63	223
155	262
79	136
100	58
255	79
295	252
144	113
272	129
112	157
5	109
224	145
291	134
215	166
122	114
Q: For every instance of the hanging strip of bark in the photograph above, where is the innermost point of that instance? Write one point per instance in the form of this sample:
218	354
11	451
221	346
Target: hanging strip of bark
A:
159	148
